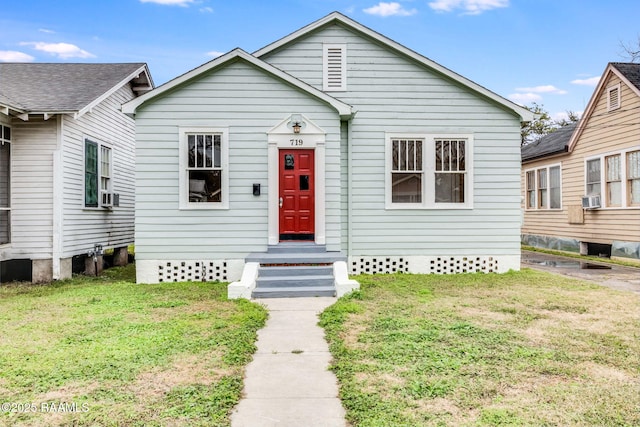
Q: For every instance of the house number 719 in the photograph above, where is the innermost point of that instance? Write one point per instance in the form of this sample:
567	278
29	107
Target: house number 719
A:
296	142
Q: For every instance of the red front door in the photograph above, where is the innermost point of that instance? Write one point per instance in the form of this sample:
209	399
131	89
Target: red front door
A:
297	199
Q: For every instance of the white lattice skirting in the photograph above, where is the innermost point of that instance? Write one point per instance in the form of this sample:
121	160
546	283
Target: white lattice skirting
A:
230	270
158	271
433	264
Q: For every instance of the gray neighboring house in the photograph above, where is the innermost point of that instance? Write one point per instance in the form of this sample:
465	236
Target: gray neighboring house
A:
67	156
336	139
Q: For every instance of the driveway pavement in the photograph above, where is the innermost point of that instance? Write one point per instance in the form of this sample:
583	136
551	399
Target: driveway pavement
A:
612	276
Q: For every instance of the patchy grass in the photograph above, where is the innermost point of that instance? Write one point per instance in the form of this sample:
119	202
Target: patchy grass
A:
519	349
116	353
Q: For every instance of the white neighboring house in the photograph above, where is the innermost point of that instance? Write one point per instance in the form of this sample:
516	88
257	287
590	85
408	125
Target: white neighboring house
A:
67	156
334	135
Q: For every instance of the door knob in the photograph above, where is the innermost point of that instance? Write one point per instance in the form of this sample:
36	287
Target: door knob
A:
281	201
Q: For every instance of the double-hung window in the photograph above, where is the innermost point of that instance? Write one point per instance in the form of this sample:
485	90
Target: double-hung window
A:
614	184
531	189
406	173
615	177
451	170
204	168
5	184
633	178
544	188
555	191
593	177
98	171
429	171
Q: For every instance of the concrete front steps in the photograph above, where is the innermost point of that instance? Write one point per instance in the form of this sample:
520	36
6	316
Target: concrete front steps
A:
293	269
296	269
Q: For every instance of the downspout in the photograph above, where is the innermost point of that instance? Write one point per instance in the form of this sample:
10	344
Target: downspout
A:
349	189
58	195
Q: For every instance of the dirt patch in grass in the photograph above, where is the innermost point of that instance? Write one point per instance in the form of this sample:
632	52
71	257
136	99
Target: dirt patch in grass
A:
526	348
185	370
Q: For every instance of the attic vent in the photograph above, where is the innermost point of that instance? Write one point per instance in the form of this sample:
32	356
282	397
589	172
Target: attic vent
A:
334	67
613	98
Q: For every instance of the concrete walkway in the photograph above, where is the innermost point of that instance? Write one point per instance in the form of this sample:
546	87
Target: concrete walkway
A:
288	382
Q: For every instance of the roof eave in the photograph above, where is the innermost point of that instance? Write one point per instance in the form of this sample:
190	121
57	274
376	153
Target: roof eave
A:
594	100
545	156
24	115
141	71
344	110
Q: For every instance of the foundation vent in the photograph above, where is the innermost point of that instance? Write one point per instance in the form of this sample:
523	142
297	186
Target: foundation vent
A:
381	265
456	265
192	271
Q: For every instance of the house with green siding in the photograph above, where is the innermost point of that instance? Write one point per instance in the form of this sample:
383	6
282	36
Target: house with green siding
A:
332	151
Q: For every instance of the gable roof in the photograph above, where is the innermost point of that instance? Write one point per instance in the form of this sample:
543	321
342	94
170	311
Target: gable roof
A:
343	109
336	17
557	142
628	72
50	88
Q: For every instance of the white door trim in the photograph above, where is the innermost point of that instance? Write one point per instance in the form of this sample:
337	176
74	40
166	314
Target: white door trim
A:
310	137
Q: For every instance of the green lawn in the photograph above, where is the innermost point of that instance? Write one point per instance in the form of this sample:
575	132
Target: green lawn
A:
519	349
114	353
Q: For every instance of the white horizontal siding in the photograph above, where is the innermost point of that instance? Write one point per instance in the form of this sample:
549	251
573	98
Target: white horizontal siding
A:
32	150
393	93
83	228
248	103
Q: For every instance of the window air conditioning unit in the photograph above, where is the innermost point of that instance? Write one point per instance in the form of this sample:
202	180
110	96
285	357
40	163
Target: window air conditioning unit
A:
107	199
590	202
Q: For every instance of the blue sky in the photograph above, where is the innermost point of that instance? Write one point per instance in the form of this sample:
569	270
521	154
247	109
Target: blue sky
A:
548	51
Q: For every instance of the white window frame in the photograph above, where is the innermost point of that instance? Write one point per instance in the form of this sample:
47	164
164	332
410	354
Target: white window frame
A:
326	84
610	89
536	190
183	161
7	208
625	202
529	203
101	145
628	180
429	171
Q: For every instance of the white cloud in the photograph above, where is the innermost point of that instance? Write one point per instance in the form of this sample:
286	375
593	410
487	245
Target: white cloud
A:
14	56
470	7
183	3
44	30
525	98
591	81
206	9
543	89
389	9
61	50
215	53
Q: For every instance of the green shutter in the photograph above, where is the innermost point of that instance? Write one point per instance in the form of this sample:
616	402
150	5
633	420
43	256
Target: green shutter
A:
90	174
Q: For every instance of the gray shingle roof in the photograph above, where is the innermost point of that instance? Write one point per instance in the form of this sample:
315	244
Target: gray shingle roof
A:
630	70
58	87
554	143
